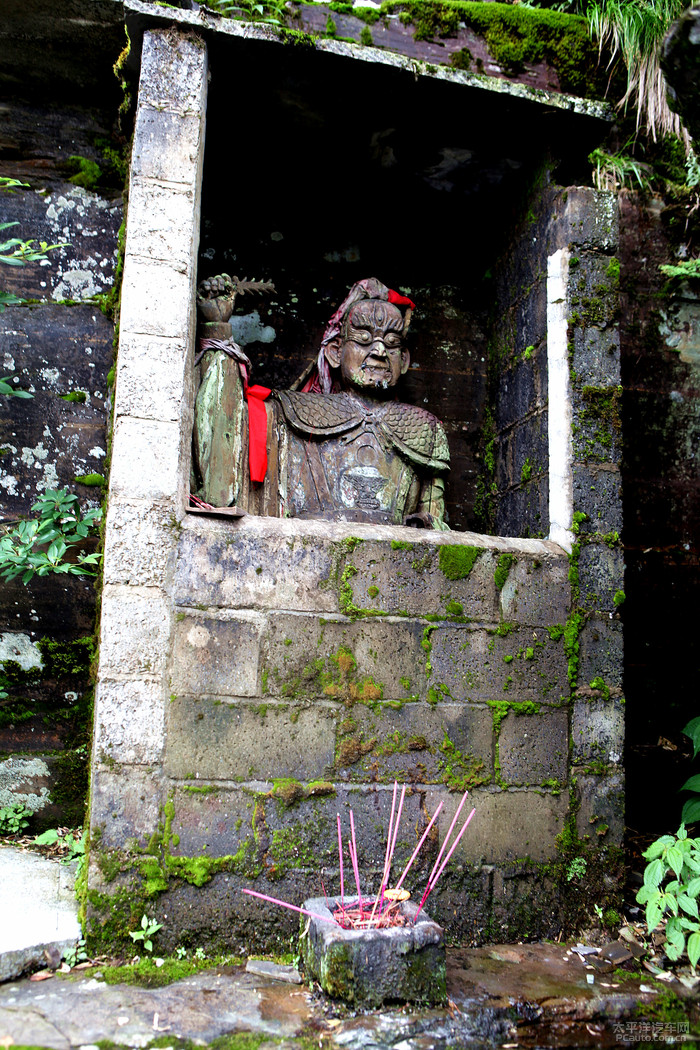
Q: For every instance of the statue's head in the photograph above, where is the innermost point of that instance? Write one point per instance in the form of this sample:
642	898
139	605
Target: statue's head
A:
369	349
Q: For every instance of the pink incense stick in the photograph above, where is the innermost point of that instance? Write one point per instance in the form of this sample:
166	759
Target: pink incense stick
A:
447	836
396	830
433	882
292	907
380	896
353	857
417	849
342	880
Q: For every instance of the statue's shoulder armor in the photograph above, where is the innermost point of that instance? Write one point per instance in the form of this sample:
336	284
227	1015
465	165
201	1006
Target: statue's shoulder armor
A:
418	434
322	415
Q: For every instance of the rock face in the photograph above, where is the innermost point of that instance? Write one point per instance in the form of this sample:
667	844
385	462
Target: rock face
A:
681	66
405	963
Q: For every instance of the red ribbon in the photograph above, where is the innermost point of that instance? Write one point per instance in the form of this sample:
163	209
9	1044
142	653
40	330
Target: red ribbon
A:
257	431
399	300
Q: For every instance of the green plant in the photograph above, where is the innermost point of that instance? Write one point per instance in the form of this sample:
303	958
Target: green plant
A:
691	807
13	819
576	869
678	857
634	30
74	847
77	954
682	270
613	171
5	386
181	952
148	928
39	546
15	252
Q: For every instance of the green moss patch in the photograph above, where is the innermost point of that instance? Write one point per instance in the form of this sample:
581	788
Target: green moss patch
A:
456	562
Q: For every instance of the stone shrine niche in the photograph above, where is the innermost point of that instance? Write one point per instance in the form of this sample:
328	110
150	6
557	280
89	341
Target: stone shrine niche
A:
328	181
232	652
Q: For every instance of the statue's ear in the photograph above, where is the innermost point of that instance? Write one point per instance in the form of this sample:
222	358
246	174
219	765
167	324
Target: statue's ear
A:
332	352
405	361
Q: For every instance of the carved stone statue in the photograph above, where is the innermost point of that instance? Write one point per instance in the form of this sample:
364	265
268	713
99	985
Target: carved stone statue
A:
337	445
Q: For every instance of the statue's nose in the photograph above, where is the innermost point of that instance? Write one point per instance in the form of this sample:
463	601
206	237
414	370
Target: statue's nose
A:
378	348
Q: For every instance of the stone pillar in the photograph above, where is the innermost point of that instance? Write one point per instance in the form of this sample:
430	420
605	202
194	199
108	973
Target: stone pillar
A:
152	432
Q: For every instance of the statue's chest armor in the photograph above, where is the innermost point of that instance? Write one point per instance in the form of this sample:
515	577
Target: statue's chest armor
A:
357	477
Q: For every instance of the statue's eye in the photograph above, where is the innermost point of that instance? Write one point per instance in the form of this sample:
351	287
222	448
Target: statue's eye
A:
392	339
361	335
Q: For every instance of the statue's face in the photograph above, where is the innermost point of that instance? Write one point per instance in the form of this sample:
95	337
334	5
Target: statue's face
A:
370	351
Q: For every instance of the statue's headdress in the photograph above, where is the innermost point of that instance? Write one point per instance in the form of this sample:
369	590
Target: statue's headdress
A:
317	377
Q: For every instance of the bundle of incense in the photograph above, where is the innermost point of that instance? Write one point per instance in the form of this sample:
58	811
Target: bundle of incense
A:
385	911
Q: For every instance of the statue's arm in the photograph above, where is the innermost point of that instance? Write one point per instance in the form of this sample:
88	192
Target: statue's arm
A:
220	420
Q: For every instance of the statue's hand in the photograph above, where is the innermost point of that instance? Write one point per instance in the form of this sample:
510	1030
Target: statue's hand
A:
216	298
420	520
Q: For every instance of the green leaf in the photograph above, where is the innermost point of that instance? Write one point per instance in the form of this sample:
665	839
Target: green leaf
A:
692	784
48	838
688	904
694	949
654	914
691	810
674	933
657	848
674	952
674	859
692	730
693	888
654	873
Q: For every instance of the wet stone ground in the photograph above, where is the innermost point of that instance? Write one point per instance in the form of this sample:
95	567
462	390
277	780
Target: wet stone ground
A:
529	996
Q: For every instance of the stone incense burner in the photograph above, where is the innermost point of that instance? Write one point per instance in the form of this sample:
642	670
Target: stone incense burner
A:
400	964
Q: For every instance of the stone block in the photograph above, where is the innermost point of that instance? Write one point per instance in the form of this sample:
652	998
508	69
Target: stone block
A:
598	494
461	903
167	146
126	803
601	575
211	819
596	357
507	825
220	741
46	441
157	299
524	511
150	377
597	730
26	781
601	813
145	460
162	223
129	721
526	905
173	72
366	660
218	565
216	655
537	591
134	632
601	652
140	542
415	578
516	394
447	743
478	665
590	219
533	749
86	222
284	832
